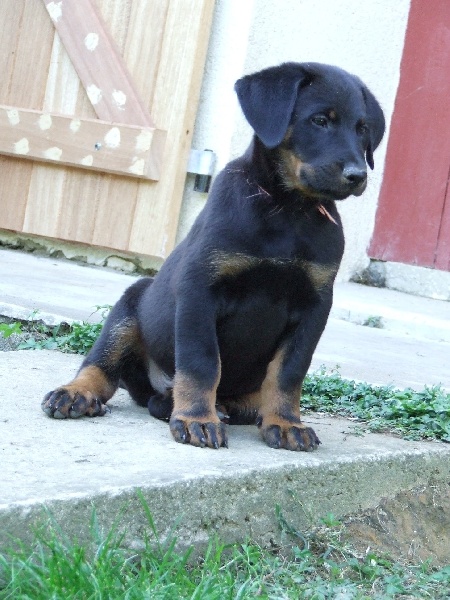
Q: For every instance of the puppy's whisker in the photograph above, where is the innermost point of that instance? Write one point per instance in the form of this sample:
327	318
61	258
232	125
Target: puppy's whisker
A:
254	195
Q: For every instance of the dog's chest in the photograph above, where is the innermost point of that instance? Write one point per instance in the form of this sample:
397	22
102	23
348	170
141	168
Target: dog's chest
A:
280	277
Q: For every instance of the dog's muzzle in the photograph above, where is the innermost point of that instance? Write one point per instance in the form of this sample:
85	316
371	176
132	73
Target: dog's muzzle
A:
354	180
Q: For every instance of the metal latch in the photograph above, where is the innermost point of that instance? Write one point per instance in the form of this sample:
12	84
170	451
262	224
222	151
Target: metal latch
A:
202	163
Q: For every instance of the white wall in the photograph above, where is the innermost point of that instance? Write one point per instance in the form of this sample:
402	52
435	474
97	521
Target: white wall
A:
365	37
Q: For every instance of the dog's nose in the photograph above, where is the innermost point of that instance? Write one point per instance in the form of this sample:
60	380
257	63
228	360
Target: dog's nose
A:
354	175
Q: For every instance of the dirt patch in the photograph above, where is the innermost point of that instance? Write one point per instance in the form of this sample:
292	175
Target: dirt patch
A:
415	525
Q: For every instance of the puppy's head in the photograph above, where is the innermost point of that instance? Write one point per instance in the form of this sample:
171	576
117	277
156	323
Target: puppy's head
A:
323	122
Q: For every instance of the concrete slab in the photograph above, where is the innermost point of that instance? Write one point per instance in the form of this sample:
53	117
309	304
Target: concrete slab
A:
71	466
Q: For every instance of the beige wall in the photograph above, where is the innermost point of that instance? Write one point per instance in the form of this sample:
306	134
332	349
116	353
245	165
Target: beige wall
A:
364	37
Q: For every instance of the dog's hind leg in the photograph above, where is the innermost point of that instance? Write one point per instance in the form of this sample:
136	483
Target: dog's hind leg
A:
118	347
135	379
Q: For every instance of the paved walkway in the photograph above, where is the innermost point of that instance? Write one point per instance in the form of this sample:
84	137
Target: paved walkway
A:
411	348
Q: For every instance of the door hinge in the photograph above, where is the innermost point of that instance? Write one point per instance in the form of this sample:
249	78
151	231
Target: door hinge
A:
202	163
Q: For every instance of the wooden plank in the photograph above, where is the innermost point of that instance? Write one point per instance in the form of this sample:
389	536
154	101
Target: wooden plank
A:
107	147
80	195
31	52
45	207
63	86
143	47
116	17
177	90
116	211
98	62
10	28
24	27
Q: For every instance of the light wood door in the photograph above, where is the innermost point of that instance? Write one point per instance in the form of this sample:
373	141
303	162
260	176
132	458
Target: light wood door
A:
97	105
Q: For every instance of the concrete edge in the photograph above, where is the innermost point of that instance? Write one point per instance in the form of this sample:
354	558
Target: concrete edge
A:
22	313
410	279
235	506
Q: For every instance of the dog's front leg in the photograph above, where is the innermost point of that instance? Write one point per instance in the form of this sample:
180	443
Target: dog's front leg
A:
194	418
279	402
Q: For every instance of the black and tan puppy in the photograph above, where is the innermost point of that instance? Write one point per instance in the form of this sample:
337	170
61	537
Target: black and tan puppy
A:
227	329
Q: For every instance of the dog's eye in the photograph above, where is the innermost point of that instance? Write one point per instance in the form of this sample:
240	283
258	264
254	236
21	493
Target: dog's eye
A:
320	120
361	128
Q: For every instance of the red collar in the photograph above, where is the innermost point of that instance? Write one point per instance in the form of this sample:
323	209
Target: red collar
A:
321	208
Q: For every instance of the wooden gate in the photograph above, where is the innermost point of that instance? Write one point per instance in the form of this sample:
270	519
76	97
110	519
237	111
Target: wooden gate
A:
413	217
97	105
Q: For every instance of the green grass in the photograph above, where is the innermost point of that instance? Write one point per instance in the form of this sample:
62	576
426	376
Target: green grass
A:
412	414
323	566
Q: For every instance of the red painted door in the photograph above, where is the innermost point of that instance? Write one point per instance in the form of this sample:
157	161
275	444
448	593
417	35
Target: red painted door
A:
413	217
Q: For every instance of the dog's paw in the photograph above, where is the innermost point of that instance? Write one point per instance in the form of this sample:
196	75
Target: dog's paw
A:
291	436
68	403
196	433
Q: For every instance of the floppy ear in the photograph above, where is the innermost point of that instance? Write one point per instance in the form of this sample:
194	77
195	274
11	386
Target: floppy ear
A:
267	99
375	121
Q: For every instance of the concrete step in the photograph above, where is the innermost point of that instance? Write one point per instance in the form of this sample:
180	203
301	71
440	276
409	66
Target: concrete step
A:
71	466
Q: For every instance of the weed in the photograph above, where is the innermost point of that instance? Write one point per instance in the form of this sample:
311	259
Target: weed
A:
8	329
77	337
330	521
374	321
410	413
